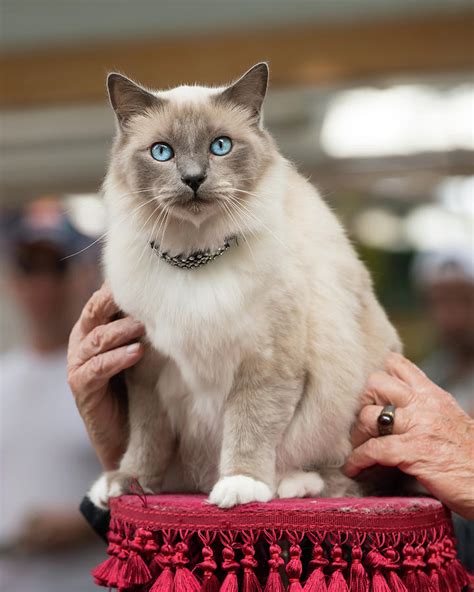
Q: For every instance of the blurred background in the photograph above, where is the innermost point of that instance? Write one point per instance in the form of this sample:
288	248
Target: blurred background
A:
374	101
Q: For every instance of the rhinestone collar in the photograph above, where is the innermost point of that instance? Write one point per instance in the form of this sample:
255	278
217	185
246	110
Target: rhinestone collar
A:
194	260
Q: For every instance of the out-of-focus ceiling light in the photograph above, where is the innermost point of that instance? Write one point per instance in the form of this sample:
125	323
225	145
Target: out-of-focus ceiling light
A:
379	228
400	120
86	211
433	228
456	194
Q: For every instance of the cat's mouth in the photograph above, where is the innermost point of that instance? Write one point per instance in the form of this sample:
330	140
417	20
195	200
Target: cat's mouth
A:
193	203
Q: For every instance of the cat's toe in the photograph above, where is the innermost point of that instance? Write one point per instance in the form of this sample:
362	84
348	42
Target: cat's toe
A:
108	485
239	489
300	484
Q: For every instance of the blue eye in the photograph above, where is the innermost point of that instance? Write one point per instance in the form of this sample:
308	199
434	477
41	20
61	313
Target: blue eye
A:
221	146
161	152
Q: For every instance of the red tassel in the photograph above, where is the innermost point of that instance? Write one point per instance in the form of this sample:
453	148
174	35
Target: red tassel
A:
415	579
377	561
294	569
395	582
250	582
359	580
379	583
274	583
184	579
106	573
434	565
337	582
134	571
230	583
392	565
456	574
210	583
316	581
164	582
162	561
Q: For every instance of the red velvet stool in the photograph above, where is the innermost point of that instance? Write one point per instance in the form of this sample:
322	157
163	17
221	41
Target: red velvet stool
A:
179	543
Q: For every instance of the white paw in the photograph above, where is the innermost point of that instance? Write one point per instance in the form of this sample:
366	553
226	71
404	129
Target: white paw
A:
99	492
112	484
239	489
300	484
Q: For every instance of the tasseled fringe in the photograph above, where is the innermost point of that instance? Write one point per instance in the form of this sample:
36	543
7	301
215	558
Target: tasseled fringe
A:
134	572
294	568
421	561
230	565
210	583
184	579
337	581
377	561
454	570
163	561
358	578
394	581
316	581
274	583
107	573
436	573
416	580
250	581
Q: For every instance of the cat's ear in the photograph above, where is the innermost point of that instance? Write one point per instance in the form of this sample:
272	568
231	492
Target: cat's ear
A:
249	90
128	98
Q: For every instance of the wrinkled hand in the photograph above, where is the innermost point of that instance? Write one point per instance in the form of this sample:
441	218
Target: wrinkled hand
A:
432	440
99	349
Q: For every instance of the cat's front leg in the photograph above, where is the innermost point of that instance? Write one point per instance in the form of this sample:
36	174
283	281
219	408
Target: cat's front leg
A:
151	440
256	414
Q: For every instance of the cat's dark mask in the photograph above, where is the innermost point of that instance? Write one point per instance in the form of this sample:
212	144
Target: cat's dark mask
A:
191	148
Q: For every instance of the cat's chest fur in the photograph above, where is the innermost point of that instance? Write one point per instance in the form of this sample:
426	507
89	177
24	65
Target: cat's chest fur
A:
202	319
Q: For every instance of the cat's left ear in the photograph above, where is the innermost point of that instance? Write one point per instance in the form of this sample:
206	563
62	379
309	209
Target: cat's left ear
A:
249	90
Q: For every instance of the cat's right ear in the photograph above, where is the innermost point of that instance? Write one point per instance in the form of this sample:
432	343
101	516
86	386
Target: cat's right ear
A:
128	98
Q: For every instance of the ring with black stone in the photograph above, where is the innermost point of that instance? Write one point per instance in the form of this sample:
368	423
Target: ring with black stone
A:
386	420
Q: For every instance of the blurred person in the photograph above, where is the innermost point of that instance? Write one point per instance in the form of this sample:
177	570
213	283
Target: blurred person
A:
46	461
446	280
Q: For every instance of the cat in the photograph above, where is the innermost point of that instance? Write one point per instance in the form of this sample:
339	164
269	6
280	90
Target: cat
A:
262	324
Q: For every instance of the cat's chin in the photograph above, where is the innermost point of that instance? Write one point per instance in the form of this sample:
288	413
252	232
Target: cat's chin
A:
195	212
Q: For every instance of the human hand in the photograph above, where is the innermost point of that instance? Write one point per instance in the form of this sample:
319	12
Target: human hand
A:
432	440
99	349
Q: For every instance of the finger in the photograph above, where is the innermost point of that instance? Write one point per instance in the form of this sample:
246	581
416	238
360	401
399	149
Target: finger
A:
387	451
96	372
99	310
366	425
398	366
384	389
106	337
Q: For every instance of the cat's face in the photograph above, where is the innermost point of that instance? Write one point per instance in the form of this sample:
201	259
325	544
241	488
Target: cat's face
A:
192	151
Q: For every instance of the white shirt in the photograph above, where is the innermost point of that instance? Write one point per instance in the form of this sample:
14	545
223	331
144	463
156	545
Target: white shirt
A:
46	460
